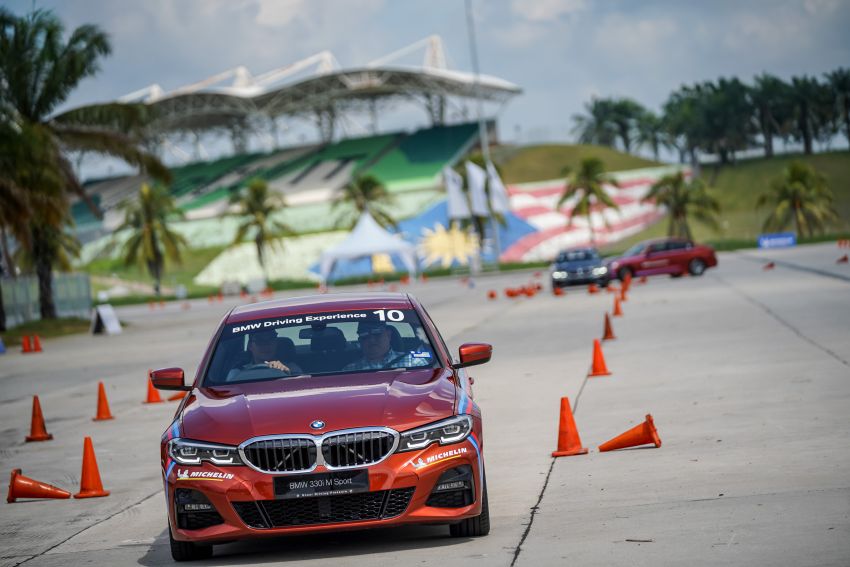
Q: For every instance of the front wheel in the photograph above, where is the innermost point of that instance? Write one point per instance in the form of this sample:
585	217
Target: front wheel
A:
476	526
188	551
696	267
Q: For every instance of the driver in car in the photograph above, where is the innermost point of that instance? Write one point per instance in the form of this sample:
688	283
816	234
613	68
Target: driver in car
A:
263	348
375	344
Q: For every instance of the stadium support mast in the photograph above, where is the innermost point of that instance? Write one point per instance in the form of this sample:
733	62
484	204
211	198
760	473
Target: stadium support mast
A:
482	127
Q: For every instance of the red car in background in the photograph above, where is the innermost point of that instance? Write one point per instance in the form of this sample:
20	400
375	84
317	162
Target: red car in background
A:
323	413
674	256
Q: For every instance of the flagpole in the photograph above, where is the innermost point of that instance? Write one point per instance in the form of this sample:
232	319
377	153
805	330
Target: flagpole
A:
482	128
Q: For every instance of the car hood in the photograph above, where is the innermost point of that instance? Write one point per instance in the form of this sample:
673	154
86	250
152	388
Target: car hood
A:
398	399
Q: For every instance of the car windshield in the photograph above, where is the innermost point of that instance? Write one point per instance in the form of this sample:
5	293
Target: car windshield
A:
635	250
577	256
320	343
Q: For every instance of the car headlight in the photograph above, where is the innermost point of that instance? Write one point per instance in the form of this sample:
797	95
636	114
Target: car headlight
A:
600	271
559	275
445	432
188	452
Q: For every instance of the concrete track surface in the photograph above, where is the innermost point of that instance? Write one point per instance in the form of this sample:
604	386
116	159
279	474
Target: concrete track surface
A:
746	372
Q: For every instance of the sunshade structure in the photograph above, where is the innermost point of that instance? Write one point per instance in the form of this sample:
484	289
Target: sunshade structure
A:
368	238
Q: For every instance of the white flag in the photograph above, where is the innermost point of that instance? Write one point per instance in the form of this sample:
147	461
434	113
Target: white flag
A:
499	201
458	207
475	179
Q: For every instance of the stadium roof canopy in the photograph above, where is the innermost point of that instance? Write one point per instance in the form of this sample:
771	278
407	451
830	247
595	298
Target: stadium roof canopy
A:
238	101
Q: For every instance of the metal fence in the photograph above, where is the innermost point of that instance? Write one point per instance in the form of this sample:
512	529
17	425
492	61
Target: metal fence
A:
71	293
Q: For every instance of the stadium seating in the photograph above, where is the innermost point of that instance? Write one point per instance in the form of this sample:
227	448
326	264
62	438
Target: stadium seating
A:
418	158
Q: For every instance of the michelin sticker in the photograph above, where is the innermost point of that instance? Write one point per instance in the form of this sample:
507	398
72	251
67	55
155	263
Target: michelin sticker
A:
183	474
444	456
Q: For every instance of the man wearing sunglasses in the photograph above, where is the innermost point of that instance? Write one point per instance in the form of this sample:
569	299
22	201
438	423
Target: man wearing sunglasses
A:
376	346
263	348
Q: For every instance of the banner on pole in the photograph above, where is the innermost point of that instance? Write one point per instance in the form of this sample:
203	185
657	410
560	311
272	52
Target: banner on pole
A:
458	207
476	179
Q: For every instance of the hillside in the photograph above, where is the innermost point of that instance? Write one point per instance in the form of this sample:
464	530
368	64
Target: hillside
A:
537	163
738	186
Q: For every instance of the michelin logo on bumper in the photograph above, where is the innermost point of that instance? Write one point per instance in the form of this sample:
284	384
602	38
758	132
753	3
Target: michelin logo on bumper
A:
183	474
445	455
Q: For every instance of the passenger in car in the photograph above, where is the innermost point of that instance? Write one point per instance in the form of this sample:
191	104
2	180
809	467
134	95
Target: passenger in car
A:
263	346
375	344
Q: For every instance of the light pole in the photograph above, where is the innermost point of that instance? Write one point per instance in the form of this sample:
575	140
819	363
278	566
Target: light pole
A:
483	135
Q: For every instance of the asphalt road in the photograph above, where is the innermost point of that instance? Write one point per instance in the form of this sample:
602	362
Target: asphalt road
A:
746	372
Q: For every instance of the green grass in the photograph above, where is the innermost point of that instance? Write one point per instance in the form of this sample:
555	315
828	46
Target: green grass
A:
175	274
738	186
45	329
539	163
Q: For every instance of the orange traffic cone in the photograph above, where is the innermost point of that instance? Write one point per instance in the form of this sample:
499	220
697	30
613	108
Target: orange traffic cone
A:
36	344
618	310
643	279
177	396
153	394
627	281
491	295
843	260
569	442
768	266
608	332
623	294
598	368
23	487
38	432
559	291
611	288
25	344
637	435
102	404
592	288
90	485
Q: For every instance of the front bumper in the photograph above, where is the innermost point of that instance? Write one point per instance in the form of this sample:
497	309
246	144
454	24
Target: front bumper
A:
399	491
578	279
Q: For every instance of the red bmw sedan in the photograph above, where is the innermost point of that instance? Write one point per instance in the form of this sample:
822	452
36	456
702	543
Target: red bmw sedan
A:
323	413
673	256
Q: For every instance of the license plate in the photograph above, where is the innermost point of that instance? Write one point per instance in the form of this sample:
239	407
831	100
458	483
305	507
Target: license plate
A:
321	484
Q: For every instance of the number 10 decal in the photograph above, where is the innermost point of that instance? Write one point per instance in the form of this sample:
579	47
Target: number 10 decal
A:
389	315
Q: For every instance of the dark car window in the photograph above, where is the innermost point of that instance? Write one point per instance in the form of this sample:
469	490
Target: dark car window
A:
635	250
677	245
577	256
320	343
657	247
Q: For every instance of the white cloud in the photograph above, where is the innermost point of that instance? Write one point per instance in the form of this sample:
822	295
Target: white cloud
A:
275	13
634	38
546	10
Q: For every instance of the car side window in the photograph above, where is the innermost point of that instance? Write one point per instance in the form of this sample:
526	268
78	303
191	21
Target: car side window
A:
655	248
676	245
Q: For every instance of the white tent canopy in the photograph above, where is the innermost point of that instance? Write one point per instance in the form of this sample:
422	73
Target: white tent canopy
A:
368	238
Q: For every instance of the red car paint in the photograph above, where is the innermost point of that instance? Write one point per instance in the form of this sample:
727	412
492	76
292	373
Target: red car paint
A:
401	400
673	256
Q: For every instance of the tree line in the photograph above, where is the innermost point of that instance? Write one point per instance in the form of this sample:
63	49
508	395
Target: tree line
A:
725	116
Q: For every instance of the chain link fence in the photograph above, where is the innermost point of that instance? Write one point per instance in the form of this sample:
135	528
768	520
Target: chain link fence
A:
71	293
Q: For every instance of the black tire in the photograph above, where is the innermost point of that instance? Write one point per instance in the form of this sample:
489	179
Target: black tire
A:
188	551
477	526
623	272
696	267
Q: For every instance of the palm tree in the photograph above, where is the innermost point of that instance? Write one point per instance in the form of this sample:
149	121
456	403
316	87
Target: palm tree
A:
804	94
802	196
625	116
684	199
650	132
839	82
151	240
597	126
258	204
364	193
769	97
586	184
38	71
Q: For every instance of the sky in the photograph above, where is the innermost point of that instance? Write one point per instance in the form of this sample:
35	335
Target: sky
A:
560	52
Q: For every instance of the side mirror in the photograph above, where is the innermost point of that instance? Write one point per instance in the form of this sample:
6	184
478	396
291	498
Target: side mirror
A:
168	379
473	353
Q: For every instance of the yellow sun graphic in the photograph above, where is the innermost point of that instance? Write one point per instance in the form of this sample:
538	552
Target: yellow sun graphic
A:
447	246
